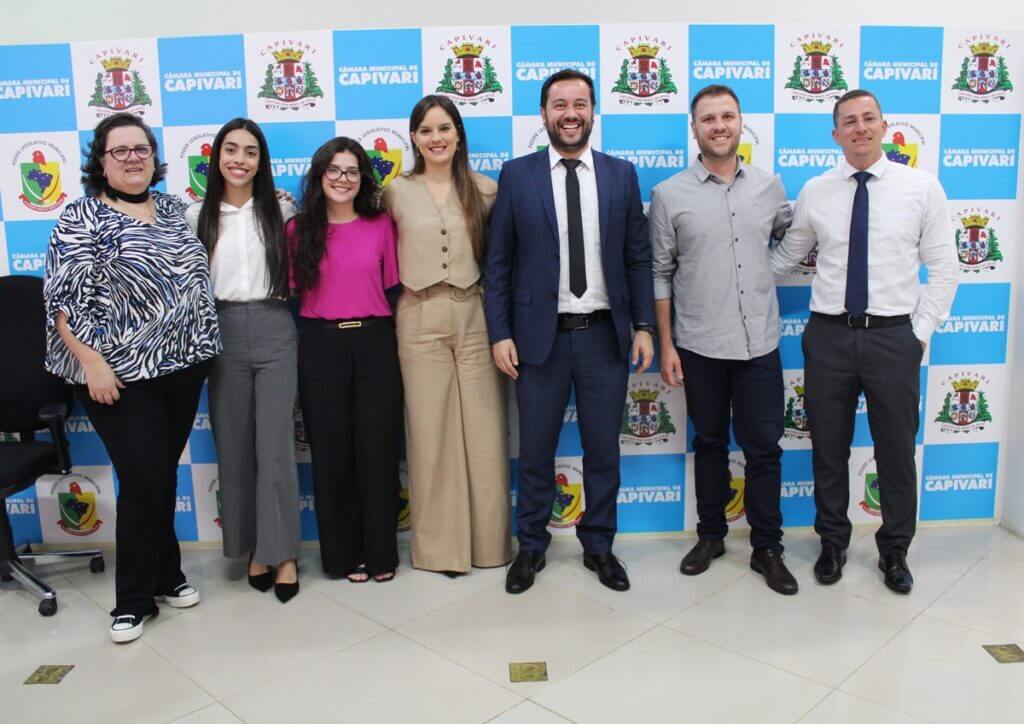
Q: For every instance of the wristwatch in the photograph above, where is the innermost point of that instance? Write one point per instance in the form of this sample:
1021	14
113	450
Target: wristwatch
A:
643	328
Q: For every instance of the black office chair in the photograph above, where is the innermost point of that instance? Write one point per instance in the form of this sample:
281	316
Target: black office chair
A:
31	399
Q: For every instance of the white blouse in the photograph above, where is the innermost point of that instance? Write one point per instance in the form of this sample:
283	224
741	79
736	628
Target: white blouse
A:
238	269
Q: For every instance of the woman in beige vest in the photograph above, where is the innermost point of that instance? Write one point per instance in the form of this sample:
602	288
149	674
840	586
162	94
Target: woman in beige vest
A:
455	408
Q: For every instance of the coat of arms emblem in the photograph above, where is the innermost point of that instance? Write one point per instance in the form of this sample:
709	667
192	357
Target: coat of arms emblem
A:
40	183
79	514
817	73
469	77
644	78
965	408
646	419
119	87
984	76
290	82
977	244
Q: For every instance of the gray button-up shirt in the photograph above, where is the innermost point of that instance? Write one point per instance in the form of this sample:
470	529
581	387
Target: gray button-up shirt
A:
711	244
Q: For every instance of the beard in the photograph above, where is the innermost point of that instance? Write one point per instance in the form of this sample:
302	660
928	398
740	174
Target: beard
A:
562	146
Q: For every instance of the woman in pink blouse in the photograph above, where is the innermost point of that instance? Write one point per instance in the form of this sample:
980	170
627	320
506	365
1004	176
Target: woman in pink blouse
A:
343	258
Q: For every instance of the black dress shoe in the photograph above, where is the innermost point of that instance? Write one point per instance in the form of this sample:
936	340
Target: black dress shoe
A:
829	567
770	563
522	569
699	558
609	570
897	575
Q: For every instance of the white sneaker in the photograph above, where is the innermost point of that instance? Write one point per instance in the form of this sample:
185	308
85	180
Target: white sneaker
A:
128	627
183	596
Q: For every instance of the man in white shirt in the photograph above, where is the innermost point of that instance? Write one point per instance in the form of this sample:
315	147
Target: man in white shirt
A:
874	222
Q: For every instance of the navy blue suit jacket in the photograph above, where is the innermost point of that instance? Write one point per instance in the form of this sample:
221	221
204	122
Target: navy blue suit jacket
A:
522	262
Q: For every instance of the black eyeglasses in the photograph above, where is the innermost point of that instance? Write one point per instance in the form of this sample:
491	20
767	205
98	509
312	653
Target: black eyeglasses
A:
333	173
121	153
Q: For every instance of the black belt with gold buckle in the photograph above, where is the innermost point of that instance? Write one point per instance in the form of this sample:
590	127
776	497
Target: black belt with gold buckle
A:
343	324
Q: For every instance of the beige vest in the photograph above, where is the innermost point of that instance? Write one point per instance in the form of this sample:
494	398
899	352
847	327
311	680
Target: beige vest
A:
433	242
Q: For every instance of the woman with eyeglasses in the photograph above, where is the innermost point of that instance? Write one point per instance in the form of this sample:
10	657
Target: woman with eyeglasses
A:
456	429
253	382
342	259
131	323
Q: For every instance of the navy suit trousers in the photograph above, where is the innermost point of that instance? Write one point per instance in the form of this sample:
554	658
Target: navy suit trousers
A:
588	361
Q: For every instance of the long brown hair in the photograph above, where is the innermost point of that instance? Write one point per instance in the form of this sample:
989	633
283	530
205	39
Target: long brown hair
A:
469	195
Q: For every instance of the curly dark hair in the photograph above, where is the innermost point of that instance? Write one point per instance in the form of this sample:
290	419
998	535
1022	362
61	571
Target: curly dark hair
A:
92	171
308	238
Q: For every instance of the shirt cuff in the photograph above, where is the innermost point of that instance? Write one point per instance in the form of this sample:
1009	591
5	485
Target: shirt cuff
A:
923	329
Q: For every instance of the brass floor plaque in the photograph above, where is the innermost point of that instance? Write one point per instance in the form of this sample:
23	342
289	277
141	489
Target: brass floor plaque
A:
49	674
528	671
1006	653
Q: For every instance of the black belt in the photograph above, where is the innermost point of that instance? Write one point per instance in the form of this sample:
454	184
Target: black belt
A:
344	324
582	321
865	321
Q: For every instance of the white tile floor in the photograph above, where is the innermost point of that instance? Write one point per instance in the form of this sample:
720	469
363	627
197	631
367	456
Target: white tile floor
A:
717	648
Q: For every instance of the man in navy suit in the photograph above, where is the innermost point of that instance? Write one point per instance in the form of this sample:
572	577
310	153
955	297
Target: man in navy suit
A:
568	292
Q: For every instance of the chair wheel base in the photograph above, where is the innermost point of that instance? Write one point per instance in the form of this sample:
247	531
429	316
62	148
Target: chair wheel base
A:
96	565
48	607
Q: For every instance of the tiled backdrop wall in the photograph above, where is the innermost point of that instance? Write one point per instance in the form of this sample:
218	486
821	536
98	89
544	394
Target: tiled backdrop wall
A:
948	94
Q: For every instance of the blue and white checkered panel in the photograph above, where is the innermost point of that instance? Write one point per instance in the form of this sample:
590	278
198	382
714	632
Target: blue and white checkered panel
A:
948	95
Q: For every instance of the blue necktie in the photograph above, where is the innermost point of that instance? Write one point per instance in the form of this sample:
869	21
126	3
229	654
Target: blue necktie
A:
857	262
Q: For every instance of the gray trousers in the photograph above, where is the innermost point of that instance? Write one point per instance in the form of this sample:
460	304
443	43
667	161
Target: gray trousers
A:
884	362
252	398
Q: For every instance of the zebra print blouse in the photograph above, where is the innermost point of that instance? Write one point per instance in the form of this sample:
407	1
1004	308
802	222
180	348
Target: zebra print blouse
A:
137	293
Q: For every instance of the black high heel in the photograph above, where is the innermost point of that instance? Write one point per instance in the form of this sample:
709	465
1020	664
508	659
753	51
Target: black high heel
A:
287	591
262	582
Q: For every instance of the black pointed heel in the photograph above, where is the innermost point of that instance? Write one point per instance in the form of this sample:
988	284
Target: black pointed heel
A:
262	582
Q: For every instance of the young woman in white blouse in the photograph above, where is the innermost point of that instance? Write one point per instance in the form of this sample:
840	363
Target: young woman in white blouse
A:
253	382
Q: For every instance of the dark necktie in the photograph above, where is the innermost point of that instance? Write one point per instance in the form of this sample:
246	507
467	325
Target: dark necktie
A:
857	262
577	255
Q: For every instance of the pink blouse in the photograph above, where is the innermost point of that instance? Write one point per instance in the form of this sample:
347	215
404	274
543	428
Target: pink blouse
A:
359	263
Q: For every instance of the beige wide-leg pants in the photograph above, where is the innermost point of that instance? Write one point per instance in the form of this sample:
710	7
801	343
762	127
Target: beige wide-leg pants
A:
456	431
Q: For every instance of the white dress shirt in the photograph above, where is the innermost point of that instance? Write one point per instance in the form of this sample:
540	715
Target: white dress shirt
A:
596	296
908	224
238	269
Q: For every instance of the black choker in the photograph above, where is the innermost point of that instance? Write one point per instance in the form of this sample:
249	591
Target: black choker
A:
123	196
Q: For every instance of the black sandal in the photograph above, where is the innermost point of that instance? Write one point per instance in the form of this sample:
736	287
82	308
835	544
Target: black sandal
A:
359	570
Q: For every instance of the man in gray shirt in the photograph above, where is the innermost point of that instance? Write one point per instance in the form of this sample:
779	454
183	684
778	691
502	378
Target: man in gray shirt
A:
711	226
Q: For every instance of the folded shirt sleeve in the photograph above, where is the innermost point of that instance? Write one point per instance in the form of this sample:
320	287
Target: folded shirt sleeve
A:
74	280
